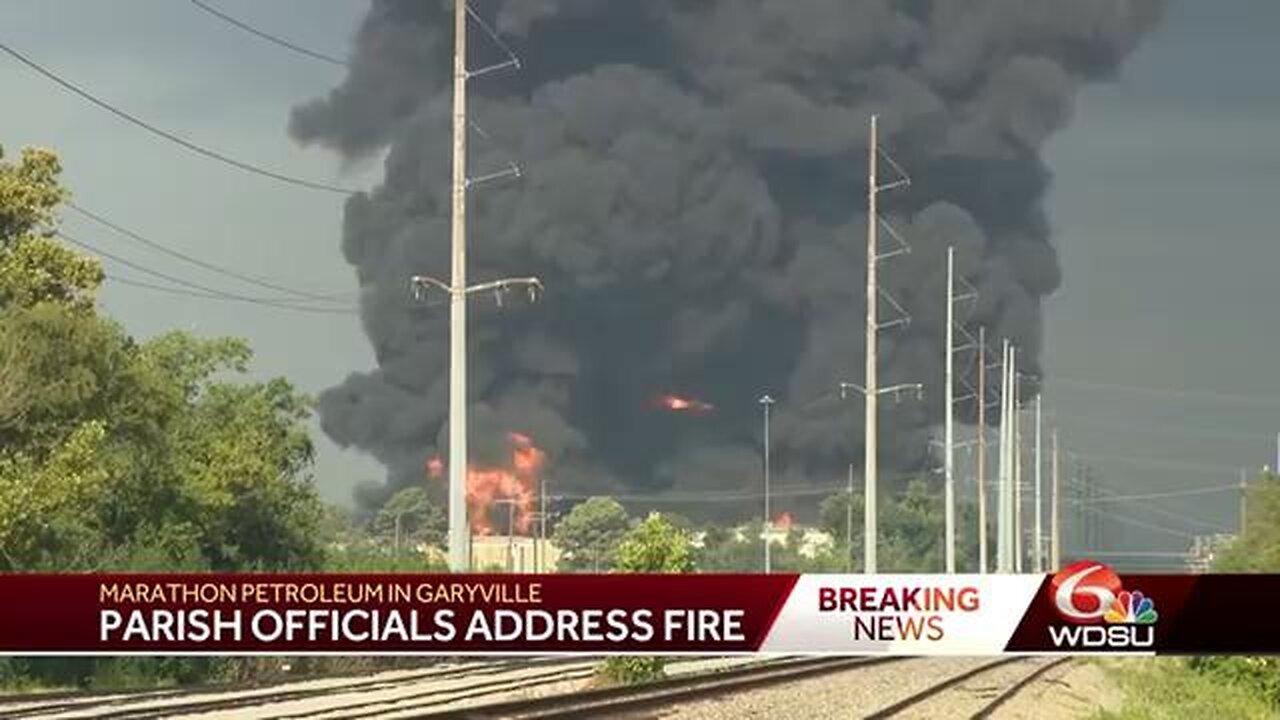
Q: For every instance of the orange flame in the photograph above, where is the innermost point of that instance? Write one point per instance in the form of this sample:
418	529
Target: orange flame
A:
783	521
504	490
675	403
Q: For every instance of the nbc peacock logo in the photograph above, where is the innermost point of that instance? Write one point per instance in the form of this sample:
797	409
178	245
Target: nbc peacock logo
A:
1099	612
1132	608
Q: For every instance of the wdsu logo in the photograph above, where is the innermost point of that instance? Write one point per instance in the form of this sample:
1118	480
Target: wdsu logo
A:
1100	613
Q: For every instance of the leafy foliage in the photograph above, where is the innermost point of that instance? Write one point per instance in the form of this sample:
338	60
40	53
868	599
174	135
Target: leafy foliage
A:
1258	550
116	454
29	192
1170	689
631	670
589	535
420	522
655	546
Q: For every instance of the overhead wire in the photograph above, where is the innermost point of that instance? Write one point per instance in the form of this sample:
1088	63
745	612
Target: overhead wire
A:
172	137
227	272
274	39
1210	395
211	293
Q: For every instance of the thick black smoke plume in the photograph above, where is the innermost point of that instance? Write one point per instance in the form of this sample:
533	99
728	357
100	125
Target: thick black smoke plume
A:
695	175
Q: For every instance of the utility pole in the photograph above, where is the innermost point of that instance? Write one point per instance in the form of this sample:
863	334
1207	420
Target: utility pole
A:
1017	465
1090	521
767	403
870	434
1055	517
982	450
1038	548
949	491
541	555
848	525
1244	499
511	536
1004	558
458	290
459	525
871	387
397	543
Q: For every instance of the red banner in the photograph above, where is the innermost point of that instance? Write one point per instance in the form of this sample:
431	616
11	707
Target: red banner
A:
436	614
1084	608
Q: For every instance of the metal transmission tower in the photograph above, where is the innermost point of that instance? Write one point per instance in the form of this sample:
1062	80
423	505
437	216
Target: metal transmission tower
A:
458	290
871	388
950	402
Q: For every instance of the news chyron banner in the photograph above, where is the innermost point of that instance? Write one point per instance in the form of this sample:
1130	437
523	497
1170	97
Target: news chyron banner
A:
1085	608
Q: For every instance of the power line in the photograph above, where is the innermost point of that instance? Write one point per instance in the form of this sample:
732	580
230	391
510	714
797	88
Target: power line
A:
210	293
1258	400
171	137
215	296
1109	495
160	247
1170	494
1093	423
274	39
1125	519
1152	462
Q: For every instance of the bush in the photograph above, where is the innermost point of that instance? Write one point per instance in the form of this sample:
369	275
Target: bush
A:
1168	689
632	670
1259	675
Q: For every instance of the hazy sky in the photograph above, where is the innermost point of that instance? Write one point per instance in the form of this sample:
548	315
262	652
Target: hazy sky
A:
1160	343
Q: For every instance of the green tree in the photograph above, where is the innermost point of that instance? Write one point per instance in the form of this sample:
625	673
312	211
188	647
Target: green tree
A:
44	505
1258	549
115	453
34	268
589	535
29	192
655	546
409	518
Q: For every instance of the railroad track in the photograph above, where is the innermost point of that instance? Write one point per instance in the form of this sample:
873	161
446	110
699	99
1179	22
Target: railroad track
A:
168	703
981	701
610	702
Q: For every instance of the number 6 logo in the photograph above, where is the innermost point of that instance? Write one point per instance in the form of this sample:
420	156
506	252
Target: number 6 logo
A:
1084	590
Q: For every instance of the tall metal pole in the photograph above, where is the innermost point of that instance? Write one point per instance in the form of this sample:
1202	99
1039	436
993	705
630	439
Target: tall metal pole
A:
459	527
767	402
982	450
511	536
949	422
848	525
871	381
1055	518
1038	558
1017	462
1244	499
540	544
1003	550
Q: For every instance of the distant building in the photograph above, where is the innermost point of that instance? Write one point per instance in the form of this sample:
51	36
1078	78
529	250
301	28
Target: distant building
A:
812	543
517	554
1205	549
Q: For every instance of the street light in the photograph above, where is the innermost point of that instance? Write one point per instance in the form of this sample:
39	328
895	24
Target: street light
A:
767	402
869	529
459	526
511	530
